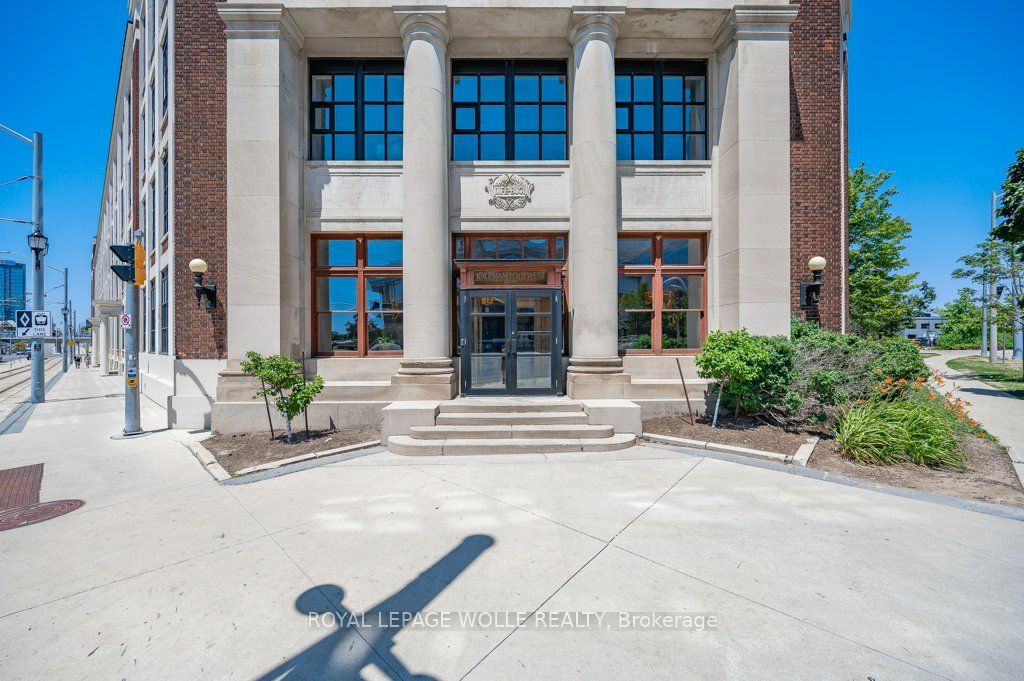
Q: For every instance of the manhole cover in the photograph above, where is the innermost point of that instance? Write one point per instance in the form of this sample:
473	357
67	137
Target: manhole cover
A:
37	513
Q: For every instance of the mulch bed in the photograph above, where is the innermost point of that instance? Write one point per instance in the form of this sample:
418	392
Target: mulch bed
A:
989	476
235	452
740	432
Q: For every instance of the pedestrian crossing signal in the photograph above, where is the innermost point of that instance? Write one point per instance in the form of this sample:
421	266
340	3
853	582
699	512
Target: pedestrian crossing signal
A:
135	271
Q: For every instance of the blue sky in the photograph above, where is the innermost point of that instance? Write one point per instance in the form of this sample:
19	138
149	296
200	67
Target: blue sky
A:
936	95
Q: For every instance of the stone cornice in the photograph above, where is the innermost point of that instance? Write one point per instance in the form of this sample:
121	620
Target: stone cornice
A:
756	22
594	22
423	23
252	20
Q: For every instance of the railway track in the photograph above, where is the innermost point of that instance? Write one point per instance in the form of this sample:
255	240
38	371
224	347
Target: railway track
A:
14	379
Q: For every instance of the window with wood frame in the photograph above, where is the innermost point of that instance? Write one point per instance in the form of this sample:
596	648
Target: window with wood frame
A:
357	295
662	291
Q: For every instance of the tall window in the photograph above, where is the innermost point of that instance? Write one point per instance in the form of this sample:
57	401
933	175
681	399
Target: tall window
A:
164	293
357	290
661	110
355	110
661	292
165	181
152	211
163	77
152	119
509	110
151	322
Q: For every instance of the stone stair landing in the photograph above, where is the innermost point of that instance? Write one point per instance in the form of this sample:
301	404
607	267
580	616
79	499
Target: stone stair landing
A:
527	425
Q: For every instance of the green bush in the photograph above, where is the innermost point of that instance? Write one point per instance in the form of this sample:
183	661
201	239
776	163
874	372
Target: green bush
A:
753	372
887	433
897	358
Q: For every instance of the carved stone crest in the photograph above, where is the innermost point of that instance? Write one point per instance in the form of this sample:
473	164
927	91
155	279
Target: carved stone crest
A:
509	191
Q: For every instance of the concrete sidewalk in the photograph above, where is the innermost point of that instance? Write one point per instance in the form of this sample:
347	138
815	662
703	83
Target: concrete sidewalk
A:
1002	414
165	574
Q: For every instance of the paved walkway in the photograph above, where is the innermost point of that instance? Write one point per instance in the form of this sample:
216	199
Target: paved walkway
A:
165	574
1000	413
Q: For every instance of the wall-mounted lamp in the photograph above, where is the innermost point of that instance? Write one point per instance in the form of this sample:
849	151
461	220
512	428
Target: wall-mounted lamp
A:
810	291
209	291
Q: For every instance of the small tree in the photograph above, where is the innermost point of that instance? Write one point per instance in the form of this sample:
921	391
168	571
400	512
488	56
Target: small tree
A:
962	325
282	380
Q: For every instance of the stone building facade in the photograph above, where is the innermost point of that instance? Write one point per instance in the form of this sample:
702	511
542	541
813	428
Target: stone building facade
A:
473	198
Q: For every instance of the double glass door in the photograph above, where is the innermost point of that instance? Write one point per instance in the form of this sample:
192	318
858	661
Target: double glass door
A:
511	341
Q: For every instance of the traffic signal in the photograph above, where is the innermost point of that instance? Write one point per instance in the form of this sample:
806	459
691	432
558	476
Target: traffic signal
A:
135	271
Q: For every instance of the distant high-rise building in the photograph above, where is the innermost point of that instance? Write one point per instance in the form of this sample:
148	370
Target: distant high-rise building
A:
12	288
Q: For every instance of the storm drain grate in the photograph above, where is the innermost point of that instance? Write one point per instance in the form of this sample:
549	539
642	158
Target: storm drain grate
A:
37	513
19	498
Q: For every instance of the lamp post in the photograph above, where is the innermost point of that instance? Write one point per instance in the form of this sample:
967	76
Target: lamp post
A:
810	291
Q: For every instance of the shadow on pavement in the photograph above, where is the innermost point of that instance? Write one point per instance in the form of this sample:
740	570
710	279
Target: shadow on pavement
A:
343	654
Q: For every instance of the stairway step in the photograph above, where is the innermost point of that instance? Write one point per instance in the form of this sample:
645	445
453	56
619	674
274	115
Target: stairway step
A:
509	405
409	446
515	432
492	418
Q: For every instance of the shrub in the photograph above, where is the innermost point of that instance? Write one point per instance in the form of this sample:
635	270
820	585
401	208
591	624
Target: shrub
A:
886	433
753	372
898	358
278	374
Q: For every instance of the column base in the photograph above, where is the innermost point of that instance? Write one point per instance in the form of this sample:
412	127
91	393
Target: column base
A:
596	378
425	379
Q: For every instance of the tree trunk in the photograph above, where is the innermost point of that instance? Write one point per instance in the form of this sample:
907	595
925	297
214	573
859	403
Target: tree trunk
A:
288	429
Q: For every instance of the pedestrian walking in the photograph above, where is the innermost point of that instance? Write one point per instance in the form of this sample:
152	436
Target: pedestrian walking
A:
78	361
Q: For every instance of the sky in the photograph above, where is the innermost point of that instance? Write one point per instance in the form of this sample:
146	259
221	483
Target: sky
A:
936	97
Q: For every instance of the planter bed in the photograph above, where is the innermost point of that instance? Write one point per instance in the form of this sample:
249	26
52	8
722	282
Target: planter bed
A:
239	452
742	432
989	476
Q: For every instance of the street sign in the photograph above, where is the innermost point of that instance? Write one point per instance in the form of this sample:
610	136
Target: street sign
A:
126	320
133	372
133	383
32	324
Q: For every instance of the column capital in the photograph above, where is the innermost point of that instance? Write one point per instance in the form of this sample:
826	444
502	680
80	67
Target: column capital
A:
423	23
757	22
594	22
248	20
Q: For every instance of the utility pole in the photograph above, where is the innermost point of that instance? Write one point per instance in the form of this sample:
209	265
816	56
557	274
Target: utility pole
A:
38	393
984	314
64	350
993	320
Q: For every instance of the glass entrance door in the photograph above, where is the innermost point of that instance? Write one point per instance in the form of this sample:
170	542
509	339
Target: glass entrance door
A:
511	341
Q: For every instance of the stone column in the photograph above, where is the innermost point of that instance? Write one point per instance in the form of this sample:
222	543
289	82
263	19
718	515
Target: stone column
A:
94	354
104	346
751	101
595	368
426	371
267	245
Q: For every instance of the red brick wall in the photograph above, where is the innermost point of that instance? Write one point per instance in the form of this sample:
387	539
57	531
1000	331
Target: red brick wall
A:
200	175
818	153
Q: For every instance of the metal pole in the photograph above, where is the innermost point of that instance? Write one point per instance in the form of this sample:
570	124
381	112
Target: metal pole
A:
38	378
132	413
993	317
984	316
64	350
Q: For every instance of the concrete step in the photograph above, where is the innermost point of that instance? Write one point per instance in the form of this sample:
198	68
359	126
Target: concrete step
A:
469	405
513	418
409	446
515	432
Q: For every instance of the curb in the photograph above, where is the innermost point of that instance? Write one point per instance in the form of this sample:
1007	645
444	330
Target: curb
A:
208	461
302	457
799	459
